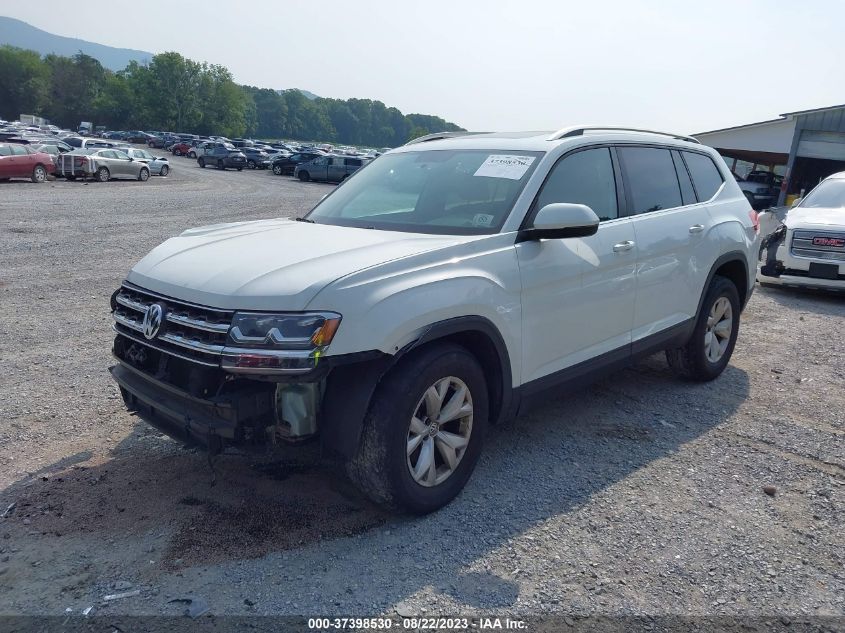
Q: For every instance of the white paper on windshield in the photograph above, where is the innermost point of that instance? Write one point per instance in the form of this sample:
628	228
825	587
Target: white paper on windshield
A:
505	166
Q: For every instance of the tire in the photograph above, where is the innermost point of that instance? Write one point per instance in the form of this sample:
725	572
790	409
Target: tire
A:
240	168
144	174
103	174
164	170
220	165
707	352
250	163
201	162
382	468
277	169
304	176
192	154
177	152
70	177
39	174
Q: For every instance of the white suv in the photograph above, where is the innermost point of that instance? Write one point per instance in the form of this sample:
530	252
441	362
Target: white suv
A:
808	249
439	290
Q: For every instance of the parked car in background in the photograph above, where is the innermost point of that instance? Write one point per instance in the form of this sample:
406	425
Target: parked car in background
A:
137	136
759	192
103	164
181	148
22	161
255	158
807	250
329	168
159	165
284	165
223	157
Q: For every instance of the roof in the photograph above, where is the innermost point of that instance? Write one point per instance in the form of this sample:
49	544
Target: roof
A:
783	117
534	141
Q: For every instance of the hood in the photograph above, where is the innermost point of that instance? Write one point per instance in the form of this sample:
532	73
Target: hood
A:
815	217
270	264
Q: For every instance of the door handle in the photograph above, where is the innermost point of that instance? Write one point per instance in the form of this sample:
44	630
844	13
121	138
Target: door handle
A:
621	247
696	228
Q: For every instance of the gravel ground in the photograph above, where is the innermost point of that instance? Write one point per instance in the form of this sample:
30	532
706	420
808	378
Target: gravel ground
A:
640	495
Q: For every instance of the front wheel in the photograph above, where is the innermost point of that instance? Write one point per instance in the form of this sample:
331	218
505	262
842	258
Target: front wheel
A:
164	170
192	154
711	345
202	163
240	168
304	176
177	152
424	430
144	175
39	174
251	164
220	165
277	169
103	174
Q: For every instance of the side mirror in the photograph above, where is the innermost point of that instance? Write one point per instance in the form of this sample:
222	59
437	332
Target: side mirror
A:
561	220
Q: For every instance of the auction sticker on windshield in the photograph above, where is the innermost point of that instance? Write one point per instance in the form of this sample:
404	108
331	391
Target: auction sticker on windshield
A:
508	166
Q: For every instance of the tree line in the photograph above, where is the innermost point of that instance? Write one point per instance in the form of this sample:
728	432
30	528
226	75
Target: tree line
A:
174	93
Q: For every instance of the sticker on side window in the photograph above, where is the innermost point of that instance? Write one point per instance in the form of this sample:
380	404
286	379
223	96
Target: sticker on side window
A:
509	166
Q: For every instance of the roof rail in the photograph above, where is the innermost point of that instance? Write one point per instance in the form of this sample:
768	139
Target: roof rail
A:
439	136
578	130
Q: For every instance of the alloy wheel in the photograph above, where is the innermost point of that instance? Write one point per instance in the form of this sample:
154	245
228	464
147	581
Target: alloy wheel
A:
439	433
717	335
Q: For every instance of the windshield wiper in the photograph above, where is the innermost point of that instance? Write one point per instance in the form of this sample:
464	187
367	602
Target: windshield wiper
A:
304	220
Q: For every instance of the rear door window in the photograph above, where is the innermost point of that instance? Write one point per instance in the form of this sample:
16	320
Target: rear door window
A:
687	191
705	175
19	150
5	150
650	178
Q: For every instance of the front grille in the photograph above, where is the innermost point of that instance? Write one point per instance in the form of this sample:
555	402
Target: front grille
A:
189	331
802	245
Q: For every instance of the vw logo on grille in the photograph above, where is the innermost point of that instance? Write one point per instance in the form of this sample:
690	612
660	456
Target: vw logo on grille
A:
153	318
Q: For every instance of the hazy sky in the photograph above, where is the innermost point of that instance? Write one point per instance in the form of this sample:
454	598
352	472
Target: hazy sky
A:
682	65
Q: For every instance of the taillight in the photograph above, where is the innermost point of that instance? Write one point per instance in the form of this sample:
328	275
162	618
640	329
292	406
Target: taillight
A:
755	220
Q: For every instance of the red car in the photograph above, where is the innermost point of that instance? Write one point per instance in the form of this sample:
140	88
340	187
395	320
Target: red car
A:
20	161
181	149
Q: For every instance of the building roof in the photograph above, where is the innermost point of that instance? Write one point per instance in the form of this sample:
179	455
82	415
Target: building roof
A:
783	117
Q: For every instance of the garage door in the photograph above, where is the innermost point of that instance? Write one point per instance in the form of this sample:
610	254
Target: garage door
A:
829	145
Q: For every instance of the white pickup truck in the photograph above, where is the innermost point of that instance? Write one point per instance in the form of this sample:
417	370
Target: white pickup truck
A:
807	250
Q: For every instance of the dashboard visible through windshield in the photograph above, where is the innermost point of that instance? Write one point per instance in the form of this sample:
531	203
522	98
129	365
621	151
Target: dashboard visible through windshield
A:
448	192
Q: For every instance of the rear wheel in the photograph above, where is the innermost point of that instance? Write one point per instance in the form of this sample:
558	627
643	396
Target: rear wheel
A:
240	168
177	152
103	174
39	174
277	169
202	162
711	345
192	154
250	163
70	177
144	174
424	430
304	176
220	165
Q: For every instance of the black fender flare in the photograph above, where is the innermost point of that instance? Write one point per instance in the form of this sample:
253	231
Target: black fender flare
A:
730	256
353	379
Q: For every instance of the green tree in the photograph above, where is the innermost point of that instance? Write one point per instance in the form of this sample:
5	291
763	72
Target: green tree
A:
24	83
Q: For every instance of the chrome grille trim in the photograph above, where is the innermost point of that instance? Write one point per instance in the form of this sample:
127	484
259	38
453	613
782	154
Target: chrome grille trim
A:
142	341
802	245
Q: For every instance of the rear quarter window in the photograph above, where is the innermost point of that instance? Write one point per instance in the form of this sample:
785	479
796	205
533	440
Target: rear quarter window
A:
705	175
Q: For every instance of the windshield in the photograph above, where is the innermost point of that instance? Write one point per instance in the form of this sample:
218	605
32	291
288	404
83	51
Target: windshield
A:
446	192
829	195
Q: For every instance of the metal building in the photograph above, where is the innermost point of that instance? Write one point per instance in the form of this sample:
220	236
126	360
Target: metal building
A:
804	147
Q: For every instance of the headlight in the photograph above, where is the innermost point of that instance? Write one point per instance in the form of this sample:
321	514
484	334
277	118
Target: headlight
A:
306	330
278	343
